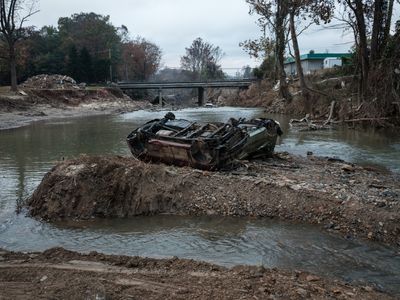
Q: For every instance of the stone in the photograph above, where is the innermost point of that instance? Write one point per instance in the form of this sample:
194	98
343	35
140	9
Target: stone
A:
368	289
311	278
348	168
302	292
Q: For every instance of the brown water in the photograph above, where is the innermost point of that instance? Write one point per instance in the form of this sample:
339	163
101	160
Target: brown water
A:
26	154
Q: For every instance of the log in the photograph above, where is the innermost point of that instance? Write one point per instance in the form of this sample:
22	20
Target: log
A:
362	119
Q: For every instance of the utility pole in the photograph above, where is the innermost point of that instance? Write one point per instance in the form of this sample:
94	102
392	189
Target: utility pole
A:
109	56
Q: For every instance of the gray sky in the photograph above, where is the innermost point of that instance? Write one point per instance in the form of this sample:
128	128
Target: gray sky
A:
174	24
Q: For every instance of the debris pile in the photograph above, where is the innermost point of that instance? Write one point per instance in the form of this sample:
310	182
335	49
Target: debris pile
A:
56	82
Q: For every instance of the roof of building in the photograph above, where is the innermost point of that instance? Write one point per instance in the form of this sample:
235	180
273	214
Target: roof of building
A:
317	56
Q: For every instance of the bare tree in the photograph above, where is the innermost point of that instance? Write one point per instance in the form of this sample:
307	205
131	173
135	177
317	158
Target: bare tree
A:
13	15
274	14
371	23
314	11
202	59
382	19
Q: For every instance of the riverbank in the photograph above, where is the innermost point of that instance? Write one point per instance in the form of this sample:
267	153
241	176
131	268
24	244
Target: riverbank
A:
40	105
332	98
349	199
58	273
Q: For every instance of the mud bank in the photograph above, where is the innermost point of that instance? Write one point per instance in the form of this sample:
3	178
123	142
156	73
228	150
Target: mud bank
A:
58	273
341	197
38	105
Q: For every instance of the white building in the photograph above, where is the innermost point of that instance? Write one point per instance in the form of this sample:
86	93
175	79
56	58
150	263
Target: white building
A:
315	61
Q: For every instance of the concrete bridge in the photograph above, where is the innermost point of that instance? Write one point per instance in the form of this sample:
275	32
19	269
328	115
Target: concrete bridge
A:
200	85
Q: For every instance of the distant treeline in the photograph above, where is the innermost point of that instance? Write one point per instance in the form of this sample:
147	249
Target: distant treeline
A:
85	46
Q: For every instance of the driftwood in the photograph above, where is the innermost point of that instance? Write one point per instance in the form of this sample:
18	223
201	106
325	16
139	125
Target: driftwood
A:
366	119
361	120
310	125
330	113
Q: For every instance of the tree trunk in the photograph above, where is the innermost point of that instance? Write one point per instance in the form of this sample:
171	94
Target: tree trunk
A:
296	49
362	35
388	23
377	29
281	14
13	67
299	67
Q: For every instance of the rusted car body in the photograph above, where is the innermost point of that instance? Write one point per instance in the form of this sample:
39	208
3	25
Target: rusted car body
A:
208	146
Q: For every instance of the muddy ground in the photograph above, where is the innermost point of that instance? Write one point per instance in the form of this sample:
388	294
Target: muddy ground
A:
61	274
38	105
350	199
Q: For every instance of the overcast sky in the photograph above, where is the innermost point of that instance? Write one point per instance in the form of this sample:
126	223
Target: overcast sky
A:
174	24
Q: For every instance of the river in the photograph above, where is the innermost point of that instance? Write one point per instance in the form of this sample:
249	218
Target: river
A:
26	154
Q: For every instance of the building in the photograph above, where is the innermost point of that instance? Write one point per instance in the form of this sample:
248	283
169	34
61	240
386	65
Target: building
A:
315	61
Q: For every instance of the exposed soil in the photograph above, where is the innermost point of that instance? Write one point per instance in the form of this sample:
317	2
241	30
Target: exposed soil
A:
43	104
61	274
346	198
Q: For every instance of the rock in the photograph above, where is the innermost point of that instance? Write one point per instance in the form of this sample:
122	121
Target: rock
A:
311	278
348	168
44	278
262	289
295	187
330	226
302	292
368	288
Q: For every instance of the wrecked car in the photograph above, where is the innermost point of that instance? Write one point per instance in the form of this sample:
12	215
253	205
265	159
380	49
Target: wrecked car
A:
207	146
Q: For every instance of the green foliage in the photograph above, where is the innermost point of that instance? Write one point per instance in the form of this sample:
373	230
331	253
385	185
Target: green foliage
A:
88	30
83	46
266	69
73	62
85	64
98	36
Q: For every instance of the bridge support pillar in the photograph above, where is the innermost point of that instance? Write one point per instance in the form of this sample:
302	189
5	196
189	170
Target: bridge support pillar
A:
160	97
200	96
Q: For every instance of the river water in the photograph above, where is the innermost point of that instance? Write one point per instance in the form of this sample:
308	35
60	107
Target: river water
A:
26	154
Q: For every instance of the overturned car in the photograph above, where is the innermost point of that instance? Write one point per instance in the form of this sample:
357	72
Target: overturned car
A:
207	146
